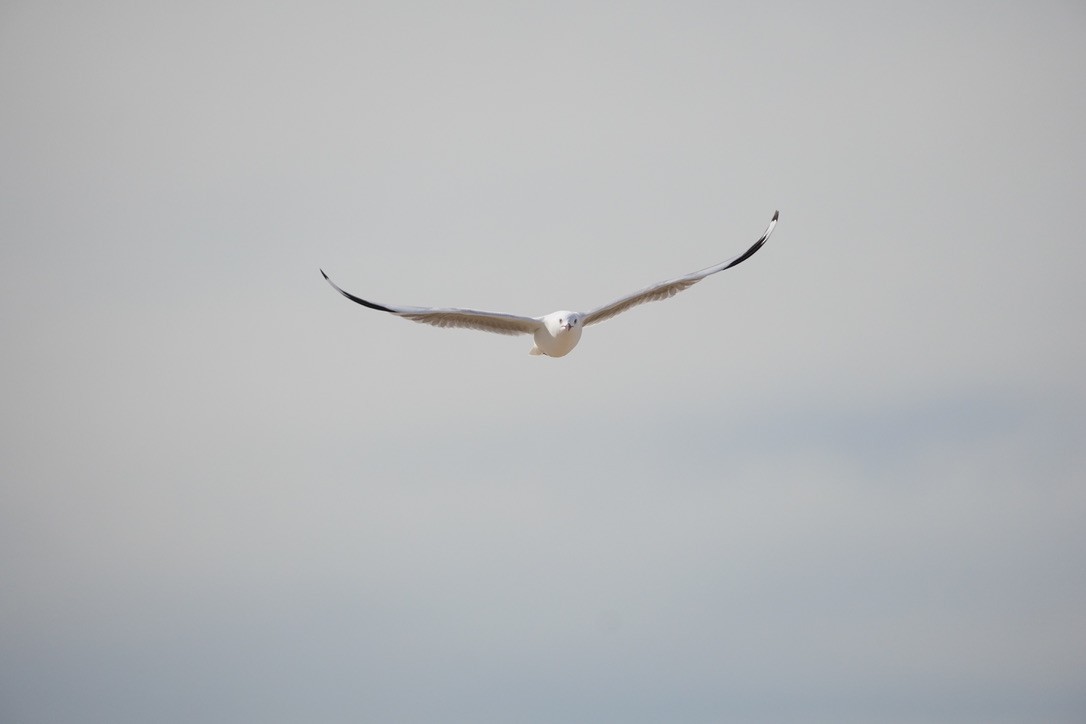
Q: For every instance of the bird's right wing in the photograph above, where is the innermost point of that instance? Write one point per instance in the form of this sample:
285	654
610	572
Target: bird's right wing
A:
451	317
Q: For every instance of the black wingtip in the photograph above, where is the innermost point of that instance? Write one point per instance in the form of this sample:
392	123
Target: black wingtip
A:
357	300
757	245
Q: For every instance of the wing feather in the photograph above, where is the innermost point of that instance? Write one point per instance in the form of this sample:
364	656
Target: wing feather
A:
474	319
671	287
495	322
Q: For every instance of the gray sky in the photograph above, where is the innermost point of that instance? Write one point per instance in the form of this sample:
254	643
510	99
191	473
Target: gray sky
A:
842	482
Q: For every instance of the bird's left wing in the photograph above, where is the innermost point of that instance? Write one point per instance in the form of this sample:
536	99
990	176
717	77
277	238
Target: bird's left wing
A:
671	287
451	317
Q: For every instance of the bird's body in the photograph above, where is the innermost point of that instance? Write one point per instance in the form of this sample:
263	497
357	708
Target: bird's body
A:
557	333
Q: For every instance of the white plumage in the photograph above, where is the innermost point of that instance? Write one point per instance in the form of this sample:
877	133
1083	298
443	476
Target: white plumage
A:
557	333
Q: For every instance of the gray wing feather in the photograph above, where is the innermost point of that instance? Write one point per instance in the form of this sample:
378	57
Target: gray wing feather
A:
465	318
671	287
473	319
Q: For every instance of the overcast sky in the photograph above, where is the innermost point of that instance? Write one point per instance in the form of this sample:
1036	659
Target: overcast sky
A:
842	482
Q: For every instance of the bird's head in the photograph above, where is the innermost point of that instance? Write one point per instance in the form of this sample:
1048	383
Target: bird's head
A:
564	321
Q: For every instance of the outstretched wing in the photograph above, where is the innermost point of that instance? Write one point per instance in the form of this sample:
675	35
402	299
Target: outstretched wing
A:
671	287
451	317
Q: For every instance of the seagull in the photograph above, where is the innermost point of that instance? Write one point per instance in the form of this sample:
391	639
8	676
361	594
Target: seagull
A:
557	333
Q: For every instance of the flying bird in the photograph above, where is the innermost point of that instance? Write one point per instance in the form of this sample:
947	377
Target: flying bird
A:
557	333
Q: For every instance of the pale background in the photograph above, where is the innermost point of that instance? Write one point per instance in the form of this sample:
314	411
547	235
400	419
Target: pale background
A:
843	482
